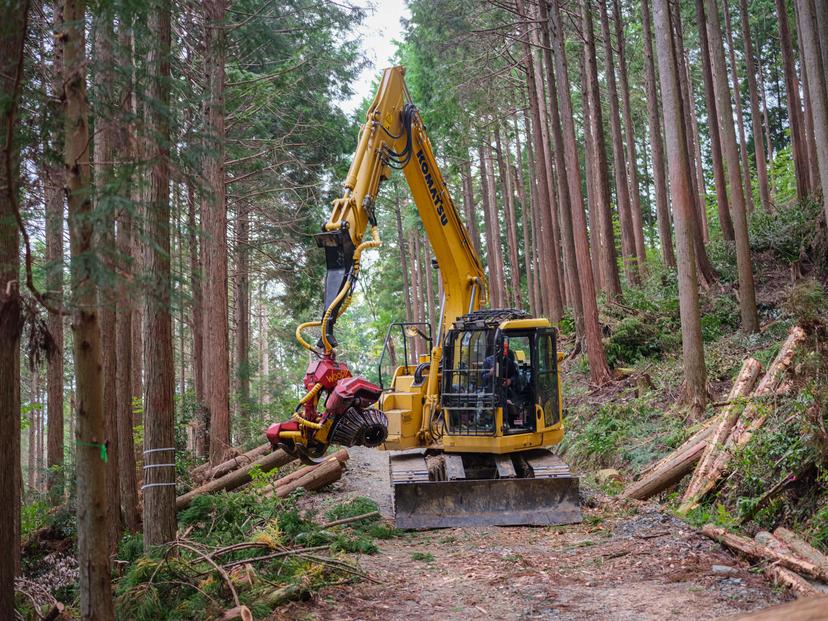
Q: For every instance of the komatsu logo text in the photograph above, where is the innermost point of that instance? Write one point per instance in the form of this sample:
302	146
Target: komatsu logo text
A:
432	187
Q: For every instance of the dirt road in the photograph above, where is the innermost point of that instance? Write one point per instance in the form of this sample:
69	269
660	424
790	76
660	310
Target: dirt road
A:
622	563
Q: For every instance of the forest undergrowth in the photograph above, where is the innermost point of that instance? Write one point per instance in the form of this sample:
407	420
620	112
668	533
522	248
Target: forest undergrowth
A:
638	418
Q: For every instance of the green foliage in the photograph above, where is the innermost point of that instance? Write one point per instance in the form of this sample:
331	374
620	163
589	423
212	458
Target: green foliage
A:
632	340
808	304
165	586
788	232
426	557
33	515
720	316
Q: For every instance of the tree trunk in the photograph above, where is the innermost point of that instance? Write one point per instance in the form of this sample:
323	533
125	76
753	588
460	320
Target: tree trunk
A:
416	297
468	205
599	371
502	151
632	171
13	29
31	440
550	288
564	202
54	198
813	39
525	208
755	114
740	117
722	202
429	280
264	351
807	116
747	295
695	388
554	288
665	234
123	382
622	190
200	423
403	254
214	212
104	150
695	148
159	413
608	257
91	467
688	107
795	119
492	241
242	299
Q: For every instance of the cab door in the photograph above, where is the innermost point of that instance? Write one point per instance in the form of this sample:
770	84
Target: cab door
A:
548	412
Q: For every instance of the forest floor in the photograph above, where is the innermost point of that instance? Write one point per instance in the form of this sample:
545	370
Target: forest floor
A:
625	561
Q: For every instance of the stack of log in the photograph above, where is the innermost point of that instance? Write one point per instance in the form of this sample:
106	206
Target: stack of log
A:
710	449
788	559
236	472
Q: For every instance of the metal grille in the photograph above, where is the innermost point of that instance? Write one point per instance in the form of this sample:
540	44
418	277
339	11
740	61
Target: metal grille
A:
469	399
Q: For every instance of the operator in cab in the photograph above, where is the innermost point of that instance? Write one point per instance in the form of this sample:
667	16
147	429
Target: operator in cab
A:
503	362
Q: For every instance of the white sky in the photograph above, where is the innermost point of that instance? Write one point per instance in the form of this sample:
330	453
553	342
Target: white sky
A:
380	28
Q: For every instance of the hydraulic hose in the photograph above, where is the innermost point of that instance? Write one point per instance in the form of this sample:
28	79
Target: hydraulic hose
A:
374	242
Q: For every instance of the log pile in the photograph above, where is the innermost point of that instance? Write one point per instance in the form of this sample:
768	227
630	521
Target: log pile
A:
237	472
708	452
788	560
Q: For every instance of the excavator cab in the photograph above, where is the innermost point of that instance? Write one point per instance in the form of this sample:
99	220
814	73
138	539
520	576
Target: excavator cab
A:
500	407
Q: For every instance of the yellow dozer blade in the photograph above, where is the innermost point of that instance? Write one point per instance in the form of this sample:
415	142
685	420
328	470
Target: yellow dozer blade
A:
445	490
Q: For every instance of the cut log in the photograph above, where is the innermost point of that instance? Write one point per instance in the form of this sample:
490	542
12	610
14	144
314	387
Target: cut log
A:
792	580
751	419
750	548
801	548
727	419
235	479
670	473
319	477
672	468
341	456
202	473
806	609
239	613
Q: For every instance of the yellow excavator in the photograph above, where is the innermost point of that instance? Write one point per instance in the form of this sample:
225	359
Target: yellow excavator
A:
469	420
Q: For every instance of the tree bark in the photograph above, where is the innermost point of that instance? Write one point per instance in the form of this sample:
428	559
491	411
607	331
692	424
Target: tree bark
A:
468	205
722	202
13	28
403	254
104	150
54	197
619	166
695	388
665	234
755	113
159	413
214	212
489	216
502	151
599	371
264	350
632	169
740	117
550	290
90	466
812	57
201	424
747	294
608	256
564	202
242	299
807	115
795	119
